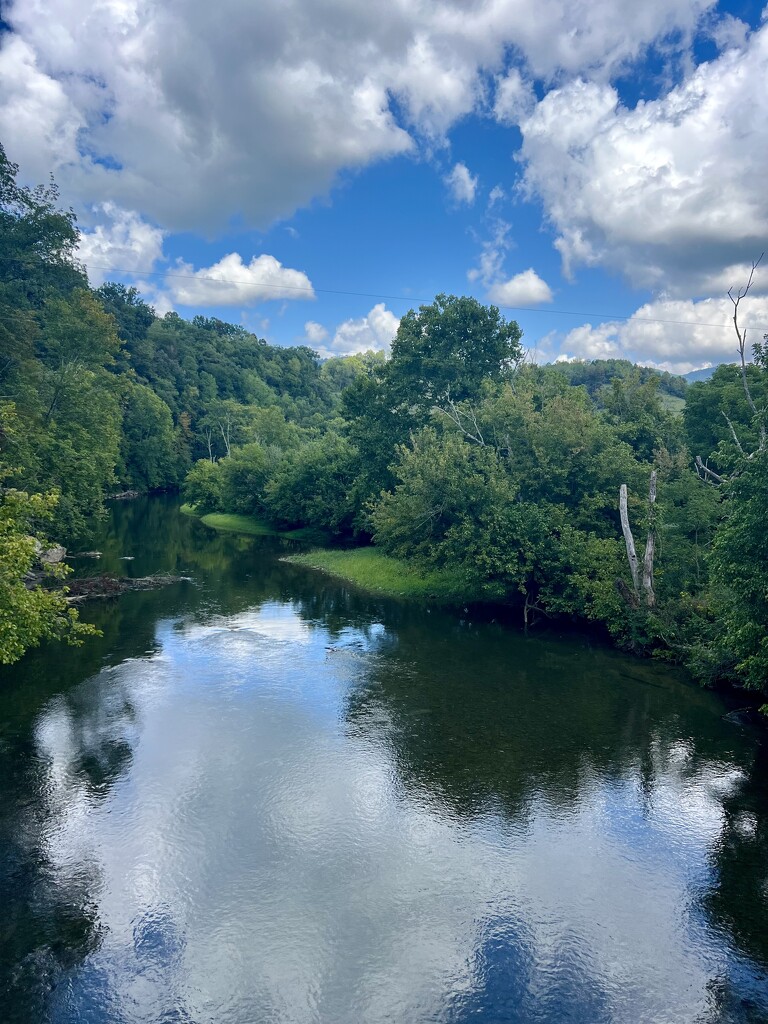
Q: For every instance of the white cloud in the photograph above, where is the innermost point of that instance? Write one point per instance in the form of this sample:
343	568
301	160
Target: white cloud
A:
524	289
462	184
315	332
493	252
496	195
373	332
515	98
696	334
671	193
124	243
194	113
230	282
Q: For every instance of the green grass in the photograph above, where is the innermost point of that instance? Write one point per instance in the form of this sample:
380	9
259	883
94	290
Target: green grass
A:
229	522
371	570
672	403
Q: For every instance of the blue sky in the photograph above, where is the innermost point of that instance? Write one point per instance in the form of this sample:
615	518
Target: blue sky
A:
314	168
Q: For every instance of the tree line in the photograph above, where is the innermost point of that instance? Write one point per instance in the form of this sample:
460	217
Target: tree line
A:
569	490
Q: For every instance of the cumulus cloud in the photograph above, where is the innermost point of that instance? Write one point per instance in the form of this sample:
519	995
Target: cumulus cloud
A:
196	113
524	289
230	282
462	184
122	242
515	98
315	333
372	332
672	193
692	334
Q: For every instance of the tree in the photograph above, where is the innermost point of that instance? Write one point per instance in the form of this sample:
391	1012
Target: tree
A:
449	350
149	456
742	449
132	315
29	613
739	567
312	485
738	648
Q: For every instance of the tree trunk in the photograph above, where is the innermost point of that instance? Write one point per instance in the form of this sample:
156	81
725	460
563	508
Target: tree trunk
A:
642	586
650	546
629	540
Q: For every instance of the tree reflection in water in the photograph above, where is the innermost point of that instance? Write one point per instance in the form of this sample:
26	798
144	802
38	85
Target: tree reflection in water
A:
593	788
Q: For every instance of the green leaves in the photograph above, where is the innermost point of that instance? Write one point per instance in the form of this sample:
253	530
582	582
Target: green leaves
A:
740	569
28	612
450	348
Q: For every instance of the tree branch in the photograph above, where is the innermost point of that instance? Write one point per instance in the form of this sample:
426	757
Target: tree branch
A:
741	334
702	468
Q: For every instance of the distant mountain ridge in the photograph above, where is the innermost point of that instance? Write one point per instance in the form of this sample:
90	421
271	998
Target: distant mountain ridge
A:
703	374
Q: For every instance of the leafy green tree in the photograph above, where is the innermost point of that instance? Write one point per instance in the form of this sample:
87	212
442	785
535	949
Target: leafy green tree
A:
202	487
29	612
132	314
634	407
313	485
244	475
149	445
449	350
739	567
38	242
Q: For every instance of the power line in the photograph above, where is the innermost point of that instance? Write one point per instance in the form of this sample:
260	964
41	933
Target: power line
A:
312	291
410	298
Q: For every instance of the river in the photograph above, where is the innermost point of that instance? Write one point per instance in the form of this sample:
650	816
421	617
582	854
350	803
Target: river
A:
263	796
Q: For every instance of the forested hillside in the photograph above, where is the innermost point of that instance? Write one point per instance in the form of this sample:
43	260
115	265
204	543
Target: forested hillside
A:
453	454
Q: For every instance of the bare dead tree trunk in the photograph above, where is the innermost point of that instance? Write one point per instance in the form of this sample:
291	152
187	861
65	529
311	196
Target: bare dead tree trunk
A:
471	430
629	540
759	415
741	334
209	442
225	433
704	471
650	545
642	585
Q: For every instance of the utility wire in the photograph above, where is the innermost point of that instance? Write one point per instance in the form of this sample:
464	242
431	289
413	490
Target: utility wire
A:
312	291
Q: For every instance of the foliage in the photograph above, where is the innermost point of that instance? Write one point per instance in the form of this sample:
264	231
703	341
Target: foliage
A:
313	485
202	487
450	349
151	451
710	404
30	613
739	564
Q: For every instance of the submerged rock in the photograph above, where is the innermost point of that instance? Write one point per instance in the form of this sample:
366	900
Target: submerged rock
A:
112	586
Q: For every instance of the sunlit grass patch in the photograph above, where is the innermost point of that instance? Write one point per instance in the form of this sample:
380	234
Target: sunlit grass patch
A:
230	522
372	570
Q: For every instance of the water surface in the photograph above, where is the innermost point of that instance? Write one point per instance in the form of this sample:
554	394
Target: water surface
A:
263	796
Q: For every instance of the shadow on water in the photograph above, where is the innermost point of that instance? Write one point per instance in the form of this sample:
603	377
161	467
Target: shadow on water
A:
482	727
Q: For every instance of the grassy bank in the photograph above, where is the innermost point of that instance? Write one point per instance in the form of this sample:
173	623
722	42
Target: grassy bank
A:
229	522
371	570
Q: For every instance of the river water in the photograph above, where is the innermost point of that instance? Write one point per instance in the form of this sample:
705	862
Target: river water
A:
263	796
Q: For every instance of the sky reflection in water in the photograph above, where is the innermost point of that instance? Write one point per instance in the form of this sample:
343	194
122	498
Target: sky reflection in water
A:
267	819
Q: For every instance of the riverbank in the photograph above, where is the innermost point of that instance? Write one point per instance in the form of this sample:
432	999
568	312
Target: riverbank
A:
229	522
370	569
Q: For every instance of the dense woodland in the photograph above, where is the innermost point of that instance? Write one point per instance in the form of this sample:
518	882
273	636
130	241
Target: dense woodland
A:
453	453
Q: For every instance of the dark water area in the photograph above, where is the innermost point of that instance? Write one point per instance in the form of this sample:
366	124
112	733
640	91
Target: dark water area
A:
263	796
